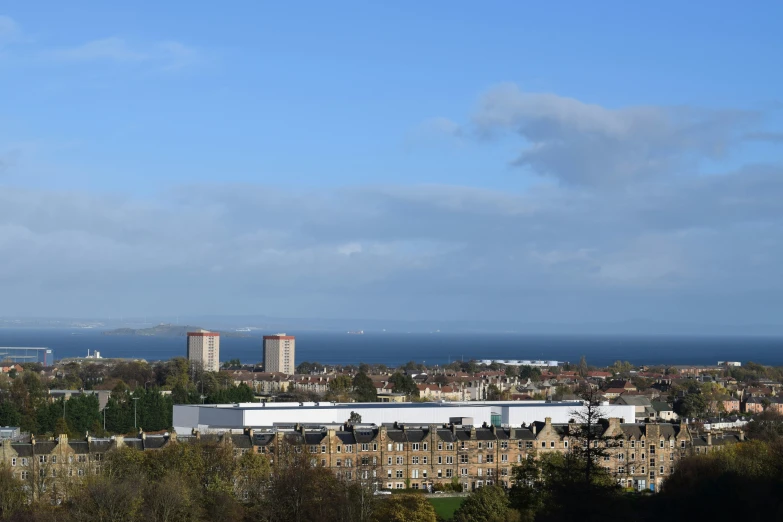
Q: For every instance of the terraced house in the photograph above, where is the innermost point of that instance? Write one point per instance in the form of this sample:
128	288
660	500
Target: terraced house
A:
389	456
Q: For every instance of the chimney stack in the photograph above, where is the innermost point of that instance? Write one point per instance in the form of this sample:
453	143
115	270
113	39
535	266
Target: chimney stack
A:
709	438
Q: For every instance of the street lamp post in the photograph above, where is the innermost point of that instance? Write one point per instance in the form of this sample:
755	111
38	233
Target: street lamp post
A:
134	411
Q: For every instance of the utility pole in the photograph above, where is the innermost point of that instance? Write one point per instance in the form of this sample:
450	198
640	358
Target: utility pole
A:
134	411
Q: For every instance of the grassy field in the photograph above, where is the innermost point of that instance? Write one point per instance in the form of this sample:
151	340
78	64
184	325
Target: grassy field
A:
445	507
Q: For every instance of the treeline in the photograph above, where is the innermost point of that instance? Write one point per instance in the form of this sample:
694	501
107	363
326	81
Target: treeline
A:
141	396
207	481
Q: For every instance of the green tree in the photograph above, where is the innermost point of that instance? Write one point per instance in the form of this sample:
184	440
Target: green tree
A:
405	508
403	384
487	504
12	494
340	388
9	414
363	388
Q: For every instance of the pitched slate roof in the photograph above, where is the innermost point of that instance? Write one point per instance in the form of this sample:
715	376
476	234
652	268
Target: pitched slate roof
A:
23	450
42	448
134	443
79	447
239	441
262	439
446	435
100	446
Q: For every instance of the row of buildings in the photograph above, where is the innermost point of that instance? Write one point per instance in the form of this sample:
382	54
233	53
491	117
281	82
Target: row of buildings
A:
279	351
390	456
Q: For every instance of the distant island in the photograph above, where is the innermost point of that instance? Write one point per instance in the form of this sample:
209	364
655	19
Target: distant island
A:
168	330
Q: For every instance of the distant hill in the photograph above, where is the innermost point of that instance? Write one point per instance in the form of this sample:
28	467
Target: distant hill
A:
167	330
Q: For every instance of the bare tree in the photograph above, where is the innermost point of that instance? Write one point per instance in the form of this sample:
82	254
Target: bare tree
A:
590	444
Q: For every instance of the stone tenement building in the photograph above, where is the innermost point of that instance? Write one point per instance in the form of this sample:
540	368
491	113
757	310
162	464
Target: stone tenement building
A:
392	457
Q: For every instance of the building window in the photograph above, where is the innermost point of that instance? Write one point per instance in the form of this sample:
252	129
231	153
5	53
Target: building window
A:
339	448
54	459
565	444
415	473
375	447
399	473
415	446
504	458
529	444
323	449
13	461
682	443
480	446
661	443
621	469
440	459
389	447
400	447
389	461
400	460
490	458
424	446
440	473
449	473
552	444
414	460
543	444
620	456
424	460
463	472
504	445
463	459
661	470
480	457
440	446
642	444
349	448
633	443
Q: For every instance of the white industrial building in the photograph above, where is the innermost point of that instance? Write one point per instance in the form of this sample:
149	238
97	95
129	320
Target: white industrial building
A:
207	417
525	362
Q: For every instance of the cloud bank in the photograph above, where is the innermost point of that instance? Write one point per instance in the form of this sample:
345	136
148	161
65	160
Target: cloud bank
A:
632	229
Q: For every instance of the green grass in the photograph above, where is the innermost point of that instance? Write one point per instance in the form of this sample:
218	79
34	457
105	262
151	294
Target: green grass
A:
445	507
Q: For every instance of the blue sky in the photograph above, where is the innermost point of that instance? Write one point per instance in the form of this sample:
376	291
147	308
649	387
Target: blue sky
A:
585	163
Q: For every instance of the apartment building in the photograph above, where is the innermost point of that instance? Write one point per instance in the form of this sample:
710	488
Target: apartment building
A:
204	349
391	456
280	353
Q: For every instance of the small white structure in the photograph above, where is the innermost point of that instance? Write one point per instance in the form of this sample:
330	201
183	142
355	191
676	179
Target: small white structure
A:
517	362
729	363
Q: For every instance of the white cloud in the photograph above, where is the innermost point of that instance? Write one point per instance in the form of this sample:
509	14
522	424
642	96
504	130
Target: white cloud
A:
586	144
454	250
9	30
168	55
109	49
